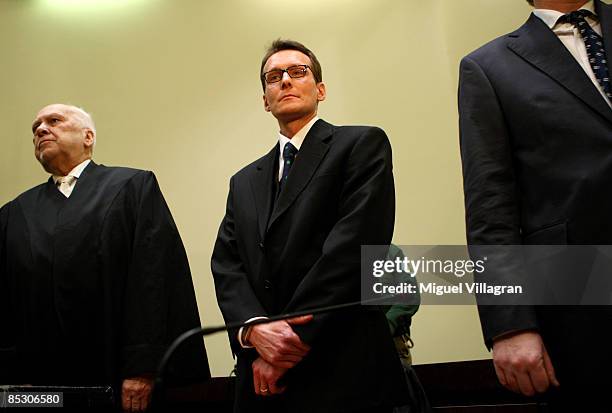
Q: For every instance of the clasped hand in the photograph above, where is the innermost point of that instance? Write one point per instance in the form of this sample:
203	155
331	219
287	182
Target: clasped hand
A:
280	349
136	394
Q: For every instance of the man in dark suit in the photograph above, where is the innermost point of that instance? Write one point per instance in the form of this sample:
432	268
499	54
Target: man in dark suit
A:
290	241
94	278
536	137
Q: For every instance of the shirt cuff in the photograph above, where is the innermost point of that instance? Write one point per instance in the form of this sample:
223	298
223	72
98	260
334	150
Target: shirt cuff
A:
244	345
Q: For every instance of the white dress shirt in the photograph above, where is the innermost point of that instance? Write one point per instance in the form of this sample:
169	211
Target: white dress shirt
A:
65	184
572	40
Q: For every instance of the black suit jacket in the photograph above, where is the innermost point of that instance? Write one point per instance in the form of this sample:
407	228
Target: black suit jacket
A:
302	251
536	145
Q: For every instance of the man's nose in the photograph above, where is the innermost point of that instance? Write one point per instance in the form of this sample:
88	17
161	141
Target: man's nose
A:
286	79
41	131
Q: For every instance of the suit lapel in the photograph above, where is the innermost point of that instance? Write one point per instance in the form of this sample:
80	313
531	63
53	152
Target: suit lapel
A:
307	161
261	186
538	45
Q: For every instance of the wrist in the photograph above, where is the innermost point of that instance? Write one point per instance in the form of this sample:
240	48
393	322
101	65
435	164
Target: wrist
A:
512	333
245	332
246	335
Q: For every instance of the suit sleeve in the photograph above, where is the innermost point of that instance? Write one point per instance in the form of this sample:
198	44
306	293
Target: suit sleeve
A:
492	203
235	294
159	297
366	217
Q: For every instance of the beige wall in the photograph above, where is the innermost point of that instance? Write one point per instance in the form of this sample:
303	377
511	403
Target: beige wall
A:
173	86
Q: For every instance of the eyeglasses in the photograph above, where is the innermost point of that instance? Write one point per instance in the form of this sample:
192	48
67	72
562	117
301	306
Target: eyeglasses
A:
294	72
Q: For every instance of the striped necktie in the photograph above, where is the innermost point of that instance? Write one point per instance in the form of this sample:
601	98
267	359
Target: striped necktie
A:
594	46
289	153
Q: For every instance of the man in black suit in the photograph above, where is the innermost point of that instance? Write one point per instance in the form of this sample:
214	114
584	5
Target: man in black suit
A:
290	241
536	137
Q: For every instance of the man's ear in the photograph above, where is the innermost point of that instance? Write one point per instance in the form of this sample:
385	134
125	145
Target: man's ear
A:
266	105
321	93
90	138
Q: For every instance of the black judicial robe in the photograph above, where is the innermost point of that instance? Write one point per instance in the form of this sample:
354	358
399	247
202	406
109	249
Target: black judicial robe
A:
94	287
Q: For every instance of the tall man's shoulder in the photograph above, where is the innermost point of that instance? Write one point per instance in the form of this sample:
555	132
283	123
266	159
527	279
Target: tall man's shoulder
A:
349	135
359	131
487	54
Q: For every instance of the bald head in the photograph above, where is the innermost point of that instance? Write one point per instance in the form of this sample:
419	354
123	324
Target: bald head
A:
64	136
79	114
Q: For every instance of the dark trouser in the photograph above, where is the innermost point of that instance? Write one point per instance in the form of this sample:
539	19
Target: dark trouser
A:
578	340
418	399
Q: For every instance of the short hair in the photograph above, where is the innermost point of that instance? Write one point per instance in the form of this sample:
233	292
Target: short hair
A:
286	44
84	117
86	121
530	2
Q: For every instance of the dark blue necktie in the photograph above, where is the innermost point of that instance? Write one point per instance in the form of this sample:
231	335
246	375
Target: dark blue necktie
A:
594	47
289	152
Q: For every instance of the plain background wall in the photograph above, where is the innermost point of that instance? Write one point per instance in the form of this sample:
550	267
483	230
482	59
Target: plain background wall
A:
173	87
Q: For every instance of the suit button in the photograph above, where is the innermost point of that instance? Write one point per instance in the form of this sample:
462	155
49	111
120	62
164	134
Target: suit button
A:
267	284
261	245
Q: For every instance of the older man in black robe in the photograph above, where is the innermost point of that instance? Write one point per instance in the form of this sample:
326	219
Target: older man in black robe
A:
94	279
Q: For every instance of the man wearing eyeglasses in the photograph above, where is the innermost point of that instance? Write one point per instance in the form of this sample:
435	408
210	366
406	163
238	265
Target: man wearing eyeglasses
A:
536	136
290	241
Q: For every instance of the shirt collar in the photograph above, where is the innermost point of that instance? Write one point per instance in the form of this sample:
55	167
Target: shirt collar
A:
76	171
298	138
550	17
